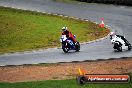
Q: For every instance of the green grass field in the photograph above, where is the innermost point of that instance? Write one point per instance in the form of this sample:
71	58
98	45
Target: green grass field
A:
62	84
25	30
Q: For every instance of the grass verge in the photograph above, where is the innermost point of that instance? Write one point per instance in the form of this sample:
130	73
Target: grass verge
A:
63	84
26	30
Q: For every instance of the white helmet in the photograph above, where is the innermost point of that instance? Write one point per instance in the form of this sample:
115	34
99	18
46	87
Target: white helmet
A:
64	28
112	33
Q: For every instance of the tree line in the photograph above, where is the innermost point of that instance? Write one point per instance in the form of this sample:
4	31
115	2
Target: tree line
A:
118	2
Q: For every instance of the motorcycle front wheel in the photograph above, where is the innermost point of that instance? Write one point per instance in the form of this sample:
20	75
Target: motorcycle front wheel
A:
129	47
65	49
77	47
119	48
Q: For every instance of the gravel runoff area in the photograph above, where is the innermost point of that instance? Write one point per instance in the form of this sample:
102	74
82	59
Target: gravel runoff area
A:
64	70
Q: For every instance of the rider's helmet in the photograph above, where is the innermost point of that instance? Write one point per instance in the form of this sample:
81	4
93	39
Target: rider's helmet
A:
64	29
112	34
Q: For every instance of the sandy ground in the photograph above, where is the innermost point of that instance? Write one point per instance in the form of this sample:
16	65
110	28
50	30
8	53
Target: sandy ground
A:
64	70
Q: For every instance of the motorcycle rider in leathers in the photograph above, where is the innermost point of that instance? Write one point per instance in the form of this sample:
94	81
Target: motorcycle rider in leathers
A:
113	34
68	34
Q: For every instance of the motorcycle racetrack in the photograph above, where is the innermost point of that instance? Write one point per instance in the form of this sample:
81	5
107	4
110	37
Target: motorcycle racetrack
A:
119	18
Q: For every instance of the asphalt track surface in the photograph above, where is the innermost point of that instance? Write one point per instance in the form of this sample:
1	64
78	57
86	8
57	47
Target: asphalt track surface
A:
119	18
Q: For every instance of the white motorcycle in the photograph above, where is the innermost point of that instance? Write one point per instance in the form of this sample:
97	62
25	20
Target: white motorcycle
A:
119	43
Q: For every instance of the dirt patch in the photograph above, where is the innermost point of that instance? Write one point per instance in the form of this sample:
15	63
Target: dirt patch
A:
64	70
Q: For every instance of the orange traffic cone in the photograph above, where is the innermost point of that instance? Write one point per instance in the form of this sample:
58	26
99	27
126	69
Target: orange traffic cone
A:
102	25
